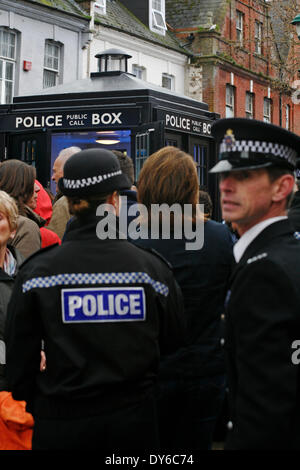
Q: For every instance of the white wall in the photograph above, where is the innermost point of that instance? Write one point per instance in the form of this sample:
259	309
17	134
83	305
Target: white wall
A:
156	59
33	27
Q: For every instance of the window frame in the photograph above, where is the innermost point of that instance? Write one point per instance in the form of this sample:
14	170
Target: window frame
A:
230	105
154	13
258	35
141	71
168	77
268	117
48	69
7	92
100	7
240	27
249	111
288	117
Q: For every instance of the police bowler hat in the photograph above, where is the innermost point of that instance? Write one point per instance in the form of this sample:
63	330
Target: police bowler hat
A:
92	171
247	144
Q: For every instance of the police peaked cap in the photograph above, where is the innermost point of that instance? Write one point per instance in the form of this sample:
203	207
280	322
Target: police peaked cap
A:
247	144
91	172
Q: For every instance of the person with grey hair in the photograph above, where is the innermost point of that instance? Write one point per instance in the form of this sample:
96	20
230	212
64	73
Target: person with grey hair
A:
61	214
59	163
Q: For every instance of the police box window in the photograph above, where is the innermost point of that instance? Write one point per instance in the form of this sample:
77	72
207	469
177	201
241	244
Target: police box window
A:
8	40
112	139
52	63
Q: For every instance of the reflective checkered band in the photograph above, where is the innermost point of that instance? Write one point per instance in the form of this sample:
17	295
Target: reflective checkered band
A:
70	279
297	235
255	146
75	184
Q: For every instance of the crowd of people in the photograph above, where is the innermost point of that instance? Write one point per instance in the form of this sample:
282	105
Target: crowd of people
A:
138	343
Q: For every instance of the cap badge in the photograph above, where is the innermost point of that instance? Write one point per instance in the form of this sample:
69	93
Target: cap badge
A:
229	139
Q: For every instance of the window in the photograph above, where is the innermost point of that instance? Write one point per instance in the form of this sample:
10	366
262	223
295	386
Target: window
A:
139	71
200	157
229	101
7	64
240	27
51	64
100	7
258	37
168	81
267	110
249	105
157	16
287	116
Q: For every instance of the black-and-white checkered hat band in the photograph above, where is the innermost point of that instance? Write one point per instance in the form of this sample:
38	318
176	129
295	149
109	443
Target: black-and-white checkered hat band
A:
246	148
85	182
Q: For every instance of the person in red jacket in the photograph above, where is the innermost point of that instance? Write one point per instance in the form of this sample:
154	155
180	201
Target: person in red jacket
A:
41	204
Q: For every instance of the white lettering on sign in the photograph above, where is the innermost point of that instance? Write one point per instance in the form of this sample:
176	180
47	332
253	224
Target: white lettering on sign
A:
106	118
103	304
39	121
184	123
76	119
178	122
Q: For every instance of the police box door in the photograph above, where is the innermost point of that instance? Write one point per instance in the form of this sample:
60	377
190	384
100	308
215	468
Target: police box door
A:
199	149
146	140
31	148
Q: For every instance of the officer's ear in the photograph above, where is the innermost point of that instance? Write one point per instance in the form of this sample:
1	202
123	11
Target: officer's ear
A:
282	187
114	200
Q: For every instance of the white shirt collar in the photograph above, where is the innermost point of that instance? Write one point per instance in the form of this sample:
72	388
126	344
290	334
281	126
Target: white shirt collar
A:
241	245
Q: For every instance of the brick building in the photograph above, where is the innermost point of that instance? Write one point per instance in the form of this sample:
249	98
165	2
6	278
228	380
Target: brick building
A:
243	50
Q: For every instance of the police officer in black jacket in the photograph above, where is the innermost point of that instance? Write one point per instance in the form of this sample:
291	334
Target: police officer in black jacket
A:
105	310
257	163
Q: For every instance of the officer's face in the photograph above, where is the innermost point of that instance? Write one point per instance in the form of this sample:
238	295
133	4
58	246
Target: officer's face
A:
246	197
5	230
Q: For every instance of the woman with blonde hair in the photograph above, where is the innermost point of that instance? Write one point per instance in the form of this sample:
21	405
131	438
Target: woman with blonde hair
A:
15	423
191	380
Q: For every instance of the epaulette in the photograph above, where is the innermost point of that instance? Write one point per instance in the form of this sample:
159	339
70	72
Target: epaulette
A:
38	252
156	253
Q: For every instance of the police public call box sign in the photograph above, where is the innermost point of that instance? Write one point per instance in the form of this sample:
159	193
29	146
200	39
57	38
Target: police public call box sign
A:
103	304
72	119
185	123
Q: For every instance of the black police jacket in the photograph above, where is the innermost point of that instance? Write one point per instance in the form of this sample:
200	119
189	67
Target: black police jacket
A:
262	324
203	276
105	309
294	212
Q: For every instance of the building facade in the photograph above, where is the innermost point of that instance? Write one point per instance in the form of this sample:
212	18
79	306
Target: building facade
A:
45	43
243	53
40	45
157	56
